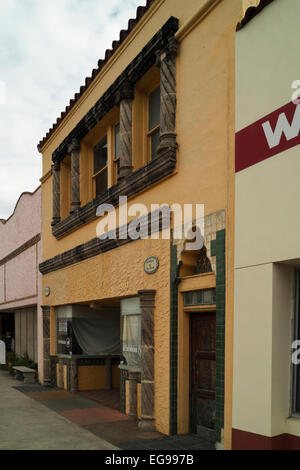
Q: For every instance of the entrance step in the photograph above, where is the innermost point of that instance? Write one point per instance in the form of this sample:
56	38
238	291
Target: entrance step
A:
206	433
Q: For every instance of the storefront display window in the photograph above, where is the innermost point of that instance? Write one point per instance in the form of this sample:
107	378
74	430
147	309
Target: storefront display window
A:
89	332
131	332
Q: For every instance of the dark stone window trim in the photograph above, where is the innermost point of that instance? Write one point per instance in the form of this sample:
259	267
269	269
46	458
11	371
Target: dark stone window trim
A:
142	178
132	184
33	241
131	75
96	246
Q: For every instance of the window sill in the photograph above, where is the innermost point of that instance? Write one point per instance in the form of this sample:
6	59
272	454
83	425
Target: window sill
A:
292	425
130	368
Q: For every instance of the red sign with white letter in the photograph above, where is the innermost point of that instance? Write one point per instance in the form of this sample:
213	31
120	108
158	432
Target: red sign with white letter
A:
270	135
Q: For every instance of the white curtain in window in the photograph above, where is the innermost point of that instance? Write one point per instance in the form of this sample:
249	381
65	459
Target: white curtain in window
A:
131	339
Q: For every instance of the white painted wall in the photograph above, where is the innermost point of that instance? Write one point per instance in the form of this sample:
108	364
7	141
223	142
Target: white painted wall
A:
282	318
253	350
267	210
267	51
262	345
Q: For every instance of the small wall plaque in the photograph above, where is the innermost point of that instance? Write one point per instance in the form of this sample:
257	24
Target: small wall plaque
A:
47	291
151	265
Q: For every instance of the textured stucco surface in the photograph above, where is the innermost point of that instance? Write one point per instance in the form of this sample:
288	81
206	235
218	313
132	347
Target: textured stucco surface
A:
2	293
19	275
121	273
20	280
24	223
19	285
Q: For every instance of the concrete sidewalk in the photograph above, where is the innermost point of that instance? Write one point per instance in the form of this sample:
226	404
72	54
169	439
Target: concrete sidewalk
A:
26	424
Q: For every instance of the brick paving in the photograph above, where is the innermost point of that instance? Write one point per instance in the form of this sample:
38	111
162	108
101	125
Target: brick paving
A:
94	415
110	398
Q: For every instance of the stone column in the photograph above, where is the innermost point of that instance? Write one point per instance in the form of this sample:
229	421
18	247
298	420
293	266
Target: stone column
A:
108	373
73	375
168	101
123	378
53	377
74	151
55	193
60	378
133	378
147	422
126	98
46	345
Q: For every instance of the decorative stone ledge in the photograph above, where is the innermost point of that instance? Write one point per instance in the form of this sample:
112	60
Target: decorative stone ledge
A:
33	241
131	185
96	246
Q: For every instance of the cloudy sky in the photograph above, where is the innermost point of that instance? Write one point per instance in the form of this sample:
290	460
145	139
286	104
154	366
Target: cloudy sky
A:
47	48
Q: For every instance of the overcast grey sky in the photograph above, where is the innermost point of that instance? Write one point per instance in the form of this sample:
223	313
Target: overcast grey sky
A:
47	48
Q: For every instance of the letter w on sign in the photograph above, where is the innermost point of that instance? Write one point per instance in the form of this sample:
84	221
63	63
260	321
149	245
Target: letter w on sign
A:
270	135
282	127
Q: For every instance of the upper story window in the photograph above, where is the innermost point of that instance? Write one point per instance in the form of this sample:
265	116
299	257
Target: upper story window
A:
146	118
65	186
116	151
100	166
100	150
153	121
117	142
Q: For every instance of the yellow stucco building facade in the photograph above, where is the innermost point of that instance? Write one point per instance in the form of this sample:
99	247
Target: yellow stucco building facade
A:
155	123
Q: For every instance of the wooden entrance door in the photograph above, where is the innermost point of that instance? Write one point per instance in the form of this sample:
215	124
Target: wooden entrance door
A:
203	370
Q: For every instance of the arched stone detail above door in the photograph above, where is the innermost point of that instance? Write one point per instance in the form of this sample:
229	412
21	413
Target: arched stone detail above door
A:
204	260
